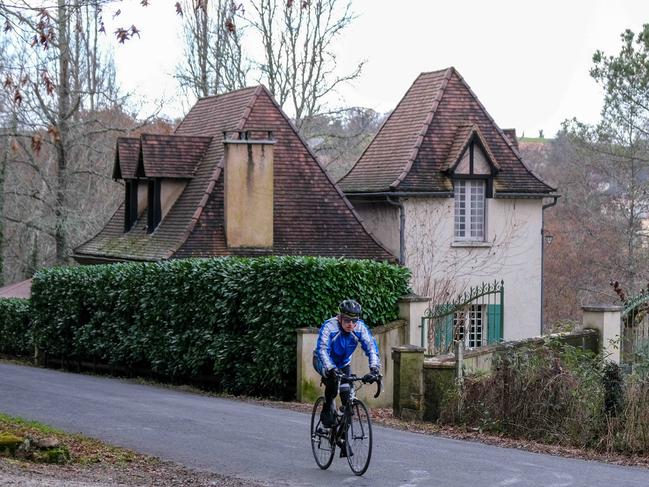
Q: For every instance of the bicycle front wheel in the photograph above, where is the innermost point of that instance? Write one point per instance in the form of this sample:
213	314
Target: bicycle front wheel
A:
321	440
359	438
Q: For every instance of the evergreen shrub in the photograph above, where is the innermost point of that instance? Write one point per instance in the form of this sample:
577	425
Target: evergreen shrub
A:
15	327
231	317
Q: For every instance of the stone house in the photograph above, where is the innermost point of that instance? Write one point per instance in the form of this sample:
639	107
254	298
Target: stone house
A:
446	190
235	178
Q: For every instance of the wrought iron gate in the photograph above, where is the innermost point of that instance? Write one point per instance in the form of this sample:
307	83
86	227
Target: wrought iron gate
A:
475	317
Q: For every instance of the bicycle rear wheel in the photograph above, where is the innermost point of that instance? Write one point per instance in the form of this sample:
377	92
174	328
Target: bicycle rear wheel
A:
321	442
359	438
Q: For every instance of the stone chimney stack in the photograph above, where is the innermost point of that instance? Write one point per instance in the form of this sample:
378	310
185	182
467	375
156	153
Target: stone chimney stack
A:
248	195
511	135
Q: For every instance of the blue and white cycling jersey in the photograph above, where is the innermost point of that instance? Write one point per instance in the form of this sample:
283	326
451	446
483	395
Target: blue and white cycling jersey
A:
335	347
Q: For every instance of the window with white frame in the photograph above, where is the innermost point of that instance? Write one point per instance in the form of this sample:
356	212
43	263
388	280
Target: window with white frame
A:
470	326
470	209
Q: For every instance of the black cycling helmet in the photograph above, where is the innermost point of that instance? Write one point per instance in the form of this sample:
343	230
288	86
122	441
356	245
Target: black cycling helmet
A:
351	309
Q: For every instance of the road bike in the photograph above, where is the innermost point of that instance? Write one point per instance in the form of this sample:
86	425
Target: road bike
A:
352	429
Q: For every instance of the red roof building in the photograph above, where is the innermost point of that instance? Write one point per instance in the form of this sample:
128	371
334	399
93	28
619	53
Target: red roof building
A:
178	195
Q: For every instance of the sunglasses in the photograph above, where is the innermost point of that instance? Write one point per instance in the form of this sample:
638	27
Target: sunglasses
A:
347	319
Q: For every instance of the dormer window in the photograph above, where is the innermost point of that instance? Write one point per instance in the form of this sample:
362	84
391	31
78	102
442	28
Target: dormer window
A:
472	167
154	213
130	204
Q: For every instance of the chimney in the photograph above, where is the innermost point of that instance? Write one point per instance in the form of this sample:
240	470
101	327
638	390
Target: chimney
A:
511	135
248	181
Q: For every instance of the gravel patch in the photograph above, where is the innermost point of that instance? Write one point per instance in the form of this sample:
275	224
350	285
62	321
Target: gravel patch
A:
147	473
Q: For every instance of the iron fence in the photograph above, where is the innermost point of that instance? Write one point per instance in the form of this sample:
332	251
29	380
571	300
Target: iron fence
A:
475	317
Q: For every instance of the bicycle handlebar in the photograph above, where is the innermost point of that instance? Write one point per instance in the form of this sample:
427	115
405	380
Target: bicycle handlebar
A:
354	378
379	386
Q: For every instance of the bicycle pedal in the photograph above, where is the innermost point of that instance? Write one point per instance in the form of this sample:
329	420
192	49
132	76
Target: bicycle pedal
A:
323	431
344	454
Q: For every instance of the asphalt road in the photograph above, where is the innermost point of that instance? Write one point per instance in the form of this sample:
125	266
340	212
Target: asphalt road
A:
272	445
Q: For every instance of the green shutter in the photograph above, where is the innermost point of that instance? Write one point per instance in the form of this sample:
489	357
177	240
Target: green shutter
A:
494	323
444	331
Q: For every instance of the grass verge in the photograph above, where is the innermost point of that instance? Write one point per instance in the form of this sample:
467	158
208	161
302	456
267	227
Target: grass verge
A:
83	450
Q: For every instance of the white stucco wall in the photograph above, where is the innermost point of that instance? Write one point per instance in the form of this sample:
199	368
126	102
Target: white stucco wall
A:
512	253
382	221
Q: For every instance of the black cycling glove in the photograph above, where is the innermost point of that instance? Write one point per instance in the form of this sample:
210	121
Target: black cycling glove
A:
334	373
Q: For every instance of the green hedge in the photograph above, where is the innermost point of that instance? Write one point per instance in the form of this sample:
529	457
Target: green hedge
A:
231	317
15	327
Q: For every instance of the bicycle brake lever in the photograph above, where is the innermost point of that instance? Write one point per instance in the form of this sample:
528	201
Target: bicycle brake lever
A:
379	386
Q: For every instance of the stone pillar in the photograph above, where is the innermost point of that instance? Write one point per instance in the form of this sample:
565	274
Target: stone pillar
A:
412	308
607	320
439	379
408	381
308	380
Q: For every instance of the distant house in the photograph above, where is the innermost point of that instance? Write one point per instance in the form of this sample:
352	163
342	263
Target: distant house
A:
234	179
445	189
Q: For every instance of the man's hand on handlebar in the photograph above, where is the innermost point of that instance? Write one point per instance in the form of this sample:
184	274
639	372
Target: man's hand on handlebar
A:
372	377
335	373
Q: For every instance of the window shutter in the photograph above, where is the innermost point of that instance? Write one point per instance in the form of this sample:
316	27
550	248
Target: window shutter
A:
494	323
444	332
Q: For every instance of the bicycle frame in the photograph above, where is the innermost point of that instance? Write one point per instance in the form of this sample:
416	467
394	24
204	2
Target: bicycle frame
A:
343	420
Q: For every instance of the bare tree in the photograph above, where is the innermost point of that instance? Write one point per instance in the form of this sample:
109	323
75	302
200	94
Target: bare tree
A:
60	89
213	62
339	137
299	65
290	43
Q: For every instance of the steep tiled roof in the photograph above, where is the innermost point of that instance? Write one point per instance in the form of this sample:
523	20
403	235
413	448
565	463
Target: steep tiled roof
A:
172	156
311	215
412	148
208	118
126	155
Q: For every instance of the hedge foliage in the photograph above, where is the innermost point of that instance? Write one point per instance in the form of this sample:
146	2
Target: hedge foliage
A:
15	327
231	317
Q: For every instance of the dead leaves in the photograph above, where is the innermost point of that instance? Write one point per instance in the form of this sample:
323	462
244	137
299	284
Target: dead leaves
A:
18	97
124	35
47	82
45	31
37	143
37	139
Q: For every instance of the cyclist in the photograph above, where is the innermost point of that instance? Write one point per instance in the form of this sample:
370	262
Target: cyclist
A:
332	356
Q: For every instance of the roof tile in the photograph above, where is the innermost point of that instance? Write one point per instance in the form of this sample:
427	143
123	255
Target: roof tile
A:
126	156
172	156
400	158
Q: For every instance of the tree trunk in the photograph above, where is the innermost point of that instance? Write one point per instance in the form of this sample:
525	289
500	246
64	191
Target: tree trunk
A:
61	133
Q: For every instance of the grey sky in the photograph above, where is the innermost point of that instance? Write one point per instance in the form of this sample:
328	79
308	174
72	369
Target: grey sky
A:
526	60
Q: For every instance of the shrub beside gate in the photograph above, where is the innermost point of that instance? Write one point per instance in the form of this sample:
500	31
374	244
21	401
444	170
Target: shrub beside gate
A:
234	318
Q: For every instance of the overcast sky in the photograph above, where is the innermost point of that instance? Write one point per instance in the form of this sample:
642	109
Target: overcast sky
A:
527	61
